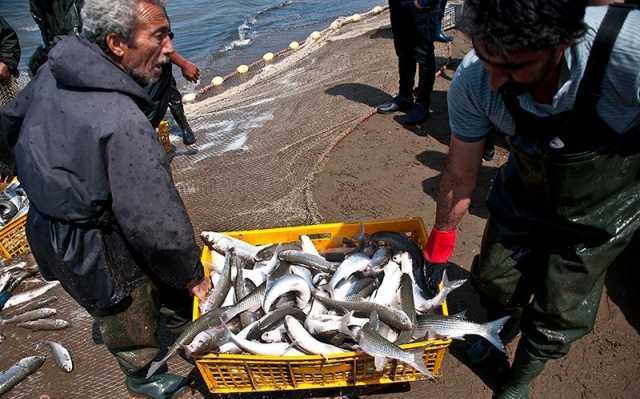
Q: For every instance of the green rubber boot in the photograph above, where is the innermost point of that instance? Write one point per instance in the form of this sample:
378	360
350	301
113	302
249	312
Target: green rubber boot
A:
159	386
524	370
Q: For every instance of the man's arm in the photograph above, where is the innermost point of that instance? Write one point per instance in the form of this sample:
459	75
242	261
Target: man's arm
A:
11	117
458	182
190	70
147	207
9	50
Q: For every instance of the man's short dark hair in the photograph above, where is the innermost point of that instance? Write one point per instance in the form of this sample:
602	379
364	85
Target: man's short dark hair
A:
505	26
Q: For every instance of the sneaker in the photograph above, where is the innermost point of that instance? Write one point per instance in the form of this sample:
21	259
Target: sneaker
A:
397	104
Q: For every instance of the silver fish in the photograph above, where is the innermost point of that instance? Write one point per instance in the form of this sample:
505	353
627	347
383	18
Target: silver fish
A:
243	288
285	284
61	356
19	371
355	263
408	306
272	320
457	327
222	243
258	348
424	305
381	257
380	349
45	324
36	314
322	324
219	293
33	305
204	341
301	337
393	317
27	296
387	293
206	321
301	258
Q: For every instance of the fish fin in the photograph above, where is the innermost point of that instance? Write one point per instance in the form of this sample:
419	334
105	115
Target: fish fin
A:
378	362
451	285
418	363
492	330
153	368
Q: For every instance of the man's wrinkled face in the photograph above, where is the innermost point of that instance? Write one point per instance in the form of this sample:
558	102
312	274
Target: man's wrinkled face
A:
521	71
150	46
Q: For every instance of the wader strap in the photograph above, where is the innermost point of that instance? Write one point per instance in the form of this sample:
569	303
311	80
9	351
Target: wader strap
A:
590	88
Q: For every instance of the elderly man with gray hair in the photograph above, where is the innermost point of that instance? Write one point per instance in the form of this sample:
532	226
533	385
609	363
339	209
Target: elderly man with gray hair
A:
106	219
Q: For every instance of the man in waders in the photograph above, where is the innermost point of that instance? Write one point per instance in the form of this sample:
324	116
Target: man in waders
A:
9	60
413	26
105	218
560	80
62	17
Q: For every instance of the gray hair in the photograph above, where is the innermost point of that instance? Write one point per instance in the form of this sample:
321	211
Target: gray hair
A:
103	17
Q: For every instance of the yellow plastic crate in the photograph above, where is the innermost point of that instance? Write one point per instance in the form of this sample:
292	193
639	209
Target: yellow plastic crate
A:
231	373
13	239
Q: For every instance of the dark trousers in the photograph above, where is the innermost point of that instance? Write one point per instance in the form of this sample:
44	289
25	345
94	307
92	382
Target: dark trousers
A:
556	291
131	332
413	33
165	94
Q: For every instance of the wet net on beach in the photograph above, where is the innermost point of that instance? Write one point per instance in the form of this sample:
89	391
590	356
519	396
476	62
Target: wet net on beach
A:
263	135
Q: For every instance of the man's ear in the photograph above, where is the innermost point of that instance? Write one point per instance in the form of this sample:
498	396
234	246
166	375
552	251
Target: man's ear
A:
116	45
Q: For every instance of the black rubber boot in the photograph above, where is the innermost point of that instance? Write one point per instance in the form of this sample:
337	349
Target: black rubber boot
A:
177	110
159	386
524	370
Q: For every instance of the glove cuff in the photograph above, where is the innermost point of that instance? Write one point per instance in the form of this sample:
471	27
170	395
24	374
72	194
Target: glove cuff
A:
440	245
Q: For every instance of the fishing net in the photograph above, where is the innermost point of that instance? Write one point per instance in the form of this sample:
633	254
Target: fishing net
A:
264	135
9	88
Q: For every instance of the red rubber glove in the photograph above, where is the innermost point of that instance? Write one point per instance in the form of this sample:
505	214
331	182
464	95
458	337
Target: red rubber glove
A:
440	245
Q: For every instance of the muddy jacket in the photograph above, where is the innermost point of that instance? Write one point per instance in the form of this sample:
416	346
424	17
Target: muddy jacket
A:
9	47
104	209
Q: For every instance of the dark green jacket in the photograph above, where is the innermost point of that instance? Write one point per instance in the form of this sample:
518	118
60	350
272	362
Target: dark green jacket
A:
9	47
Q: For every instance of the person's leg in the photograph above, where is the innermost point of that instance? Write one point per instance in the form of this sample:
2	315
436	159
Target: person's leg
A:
563	310
403	41
425	55
177	110
440	36
130	333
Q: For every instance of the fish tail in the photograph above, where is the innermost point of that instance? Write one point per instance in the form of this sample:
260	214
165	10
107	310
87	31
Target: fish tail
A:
418	363
155	366
492	330
451	285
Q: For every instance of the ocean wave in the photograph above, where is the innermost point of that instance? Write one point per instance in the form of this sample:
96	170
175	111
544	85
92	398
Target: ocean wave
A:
246	34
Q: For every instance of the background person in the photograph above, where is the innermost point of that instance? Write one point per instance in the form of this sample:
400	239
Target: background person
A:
413	27
9	61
